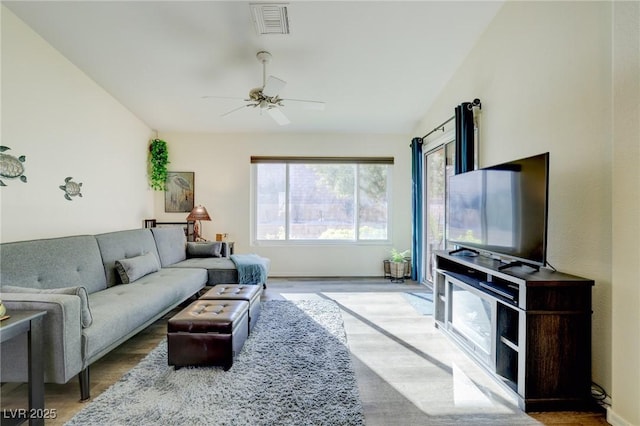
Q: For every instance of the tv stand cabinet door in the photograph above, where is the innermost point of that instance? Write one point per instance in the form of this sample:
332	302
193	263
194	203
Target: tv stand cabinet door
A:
558	359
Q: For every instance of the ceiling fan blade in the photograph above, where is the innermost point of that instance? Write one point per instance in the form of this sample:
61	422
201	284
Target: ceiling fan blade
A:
235	109
273	86
278	116
235	98
315	105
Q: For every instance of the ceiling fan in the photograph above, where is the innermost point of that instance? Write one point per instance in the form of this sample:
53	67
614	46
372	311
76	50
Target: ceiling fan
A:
267	97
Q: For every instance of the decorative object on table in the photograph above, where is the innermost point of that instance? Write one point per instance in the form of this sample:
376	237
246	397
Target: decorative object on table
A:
179	193
397	265
298	348
199	213
71	188
11	167
3	310
158	160
222	237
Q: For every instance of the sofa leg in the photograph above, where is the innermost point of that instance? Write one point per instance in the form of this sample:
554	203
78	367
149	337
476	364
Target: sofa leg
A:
83	377
264	286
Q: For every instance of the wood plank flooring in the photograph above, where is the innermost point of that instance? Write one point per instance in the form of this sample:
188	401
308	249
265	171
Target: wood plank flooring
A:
105	372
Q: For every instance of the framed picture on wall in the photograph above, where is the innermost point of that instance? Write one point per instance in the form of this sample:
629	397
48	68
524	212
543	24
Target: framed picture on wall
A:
178	198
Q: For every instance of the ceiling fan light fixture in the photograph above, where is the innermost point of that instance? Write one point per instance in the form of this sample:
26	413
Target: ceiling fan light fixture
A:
270	18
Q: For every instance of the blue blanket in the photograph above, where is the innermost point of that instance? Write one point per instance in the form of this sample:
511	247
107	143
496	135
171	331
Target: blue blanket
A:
252	269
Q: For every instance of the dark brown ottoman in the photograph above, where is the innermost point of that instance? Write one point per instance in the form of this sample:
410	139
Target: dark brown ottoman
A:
250	293
208	332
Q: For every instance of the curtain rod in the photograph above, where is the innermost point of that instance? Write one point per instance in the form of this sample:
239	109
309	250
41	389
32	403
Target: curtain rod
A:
475	103
440	127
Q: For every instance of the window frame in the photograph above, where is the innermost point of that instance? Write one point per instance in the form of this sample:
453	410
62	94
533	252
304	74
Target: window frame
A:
288	160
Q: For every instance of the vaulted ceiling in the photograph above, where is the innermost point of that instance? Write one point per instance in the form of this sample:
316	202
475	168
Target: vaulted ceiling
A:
377	65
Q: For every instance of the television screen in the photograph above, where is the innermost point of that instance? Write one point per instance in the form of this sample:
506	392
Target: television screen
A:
502	209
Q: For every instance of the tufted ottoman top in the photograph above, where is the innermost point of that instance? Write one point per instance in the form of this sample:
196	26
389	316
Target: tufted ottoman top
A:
233	292
208	316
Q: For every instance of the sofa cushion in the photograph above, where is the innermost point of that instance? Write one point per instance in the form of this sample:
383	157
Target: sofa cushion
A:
50	263
123	310
206	249
124	245
136	267
85	312
171	243
220	270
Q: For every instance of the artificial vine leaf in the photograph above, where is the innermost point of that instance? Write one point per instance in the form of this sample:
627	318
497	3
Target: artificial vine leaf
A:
158	160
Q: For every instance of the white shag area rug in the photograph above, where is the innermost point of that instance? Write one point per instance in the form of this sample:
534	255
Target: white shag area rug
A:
294	369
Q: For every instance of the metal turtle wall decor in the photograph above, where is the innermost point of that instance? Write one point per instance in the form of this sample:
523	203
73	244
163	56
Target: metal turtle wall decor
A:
11	167
71	188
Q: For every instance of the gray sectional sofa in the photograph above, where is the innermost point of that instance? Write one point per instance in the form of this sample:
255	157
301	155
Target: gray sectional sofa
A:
80	282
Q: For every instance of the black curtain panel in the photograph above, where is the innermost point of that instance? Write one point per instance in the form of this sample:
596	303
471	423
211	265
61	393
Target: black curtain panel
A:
464	138
417	177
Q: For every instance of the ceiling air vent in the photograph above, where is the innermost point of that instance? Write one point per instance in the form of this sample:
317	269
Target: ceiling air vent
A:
270	18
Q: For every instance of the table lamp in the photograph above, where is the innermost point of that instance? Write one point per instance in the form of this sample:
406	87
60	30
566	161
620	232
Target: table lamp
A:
199	213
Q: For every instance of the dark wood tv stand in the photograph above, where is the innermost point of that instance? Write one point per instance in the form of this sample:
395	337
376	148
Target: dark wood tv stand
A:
531	330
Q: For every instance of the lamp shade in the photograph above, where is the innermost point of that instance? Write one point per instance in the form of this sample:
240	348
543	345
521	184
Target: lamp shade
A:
198	213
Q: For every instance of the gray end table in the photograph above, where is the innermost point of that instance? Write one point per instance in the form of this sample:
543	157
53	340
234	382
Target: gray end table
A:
29	322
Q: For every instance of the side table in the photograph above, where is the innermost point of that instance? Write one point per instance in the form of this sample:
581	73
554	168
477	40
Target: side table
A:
29	322
228	248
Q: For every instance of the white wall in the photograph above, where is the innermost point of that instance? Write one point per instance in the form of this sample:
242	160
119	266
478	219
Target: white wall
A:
221	163
543	73
66	125
626	212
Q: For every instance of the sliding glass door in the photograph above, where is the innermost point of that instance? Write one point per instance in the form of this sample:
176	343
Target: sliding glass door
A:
439	164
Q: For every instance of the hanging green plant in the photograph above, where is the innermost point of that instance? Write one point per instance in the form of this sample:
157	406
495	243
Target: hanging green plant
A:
158	160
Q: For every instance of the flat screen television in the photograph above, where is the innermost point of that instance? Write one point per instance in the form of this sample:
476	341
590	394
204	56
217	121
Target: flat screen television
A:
502	209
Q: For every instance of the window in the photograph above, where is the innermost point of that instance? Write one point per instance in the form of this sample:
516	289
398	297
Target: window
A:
313	199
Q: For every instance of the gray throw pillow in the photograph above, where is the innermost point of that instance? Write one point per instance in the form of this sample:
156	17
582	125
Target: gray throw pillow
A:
206	249
137	267
86	319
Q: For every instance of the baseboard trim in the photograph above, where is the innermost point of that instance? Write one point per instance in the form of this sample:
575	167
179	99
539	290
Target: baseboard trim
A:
615	419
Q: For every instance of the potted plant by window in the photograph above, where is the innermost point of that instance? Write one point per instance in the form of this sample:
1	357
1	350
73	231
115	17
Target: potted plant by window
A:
397	265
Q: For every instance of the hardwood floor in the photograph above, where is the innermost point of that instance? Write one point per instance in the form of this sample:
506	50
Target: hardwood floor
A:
379	408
